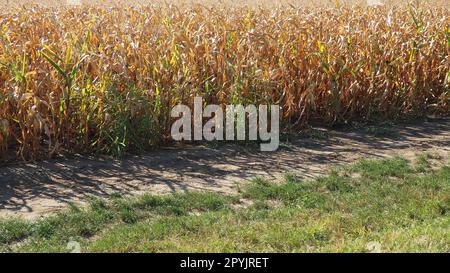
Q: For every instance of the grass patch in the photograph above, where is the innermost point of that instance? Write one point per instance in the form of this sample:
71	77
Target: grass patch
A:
389	202
376	169
13	229
380	131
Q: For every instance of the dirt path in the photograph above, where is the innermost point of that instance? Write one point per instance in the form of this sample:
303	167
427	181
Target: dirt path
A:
33	190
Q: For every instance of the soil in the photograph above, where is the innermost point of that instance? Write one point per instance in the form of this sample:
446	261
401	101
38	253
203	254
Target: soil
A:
32	190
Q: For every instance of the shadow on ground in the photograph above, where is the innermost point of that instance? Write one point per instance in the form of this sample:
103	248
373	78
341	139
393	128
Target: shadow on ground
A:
32	190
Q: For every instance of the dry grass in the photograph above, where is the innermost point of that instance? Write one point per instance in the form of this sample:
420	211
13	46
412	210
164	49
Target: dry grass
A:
104	79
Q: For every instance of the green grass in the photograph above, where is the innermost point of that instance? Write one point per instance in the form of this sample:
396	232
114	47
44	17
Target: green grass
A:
380	131
403	207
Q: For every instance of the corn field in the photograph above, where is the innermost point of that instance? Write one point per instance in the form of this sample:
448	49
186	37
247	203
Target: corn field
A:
104	79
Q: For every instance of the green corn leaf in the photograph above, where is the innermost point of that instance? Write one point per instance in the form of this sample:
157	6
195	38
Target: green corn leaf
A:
76	67
24	63
55	65
53	53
